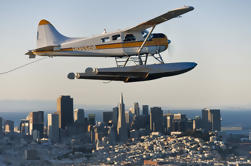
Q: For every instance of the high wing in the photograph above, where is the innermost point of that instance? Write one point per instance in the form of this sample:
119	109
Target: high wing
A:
160	19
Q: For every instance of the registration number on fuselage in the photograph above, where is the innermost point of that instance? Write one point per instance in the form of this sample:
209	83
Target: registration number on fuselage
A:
84	48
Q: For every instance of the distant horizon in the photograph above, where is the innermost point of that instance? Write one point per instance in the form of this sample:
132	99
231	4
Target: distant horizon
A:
50	105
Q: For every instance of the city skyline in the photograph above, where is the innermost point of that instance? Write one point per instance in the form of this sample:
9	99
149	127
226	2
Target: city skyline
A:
197	118
221	49
161	137
66	116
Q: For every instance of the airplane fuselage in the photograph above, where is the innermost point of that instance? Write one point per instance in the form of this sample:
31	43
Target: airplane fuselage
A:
117	44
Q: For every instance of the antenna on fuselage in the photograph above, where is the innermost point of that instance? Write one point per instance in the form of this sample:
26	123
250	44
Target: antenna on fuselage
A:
104	31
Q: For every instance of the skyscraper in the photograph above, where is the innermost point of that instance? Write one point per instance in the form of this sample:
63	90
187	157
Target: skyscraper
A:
168	122
65	111
36	122
24	127
215	119
92	119
211	119
121	125
9	126
107	116
145	109
136	109
197	123
79	116
53	127
115	113
179	122
156	119
205	123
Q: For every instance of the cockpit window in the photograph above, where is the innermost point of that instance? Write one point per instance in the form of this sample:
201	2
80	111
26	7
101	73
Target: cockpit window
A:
116	37
158	35
130	37
144	33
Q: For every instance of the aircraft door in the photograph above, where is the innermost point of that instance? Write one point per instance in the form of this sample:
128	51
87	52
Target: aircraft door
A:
129	44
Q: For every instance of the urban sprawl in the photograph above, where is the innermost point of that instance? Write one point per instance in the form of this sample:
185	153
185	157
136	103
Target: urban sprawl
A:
144	136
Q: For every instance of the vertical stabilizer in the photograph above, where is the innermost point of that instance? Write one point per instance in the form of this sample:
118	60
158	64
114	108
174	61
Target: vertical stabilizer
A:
47	35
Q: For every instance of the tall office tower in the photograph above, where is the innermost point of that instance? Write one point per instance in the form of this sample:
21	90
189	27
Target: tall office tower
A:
180	122
212	119
111	135
215	119
127	117
168	121
91	119
24	127
1	125
121	126
136	109
53	127
36	122
115	113
205	122
79	116
8	126
197	123
156	119
65	111
107	116
145	109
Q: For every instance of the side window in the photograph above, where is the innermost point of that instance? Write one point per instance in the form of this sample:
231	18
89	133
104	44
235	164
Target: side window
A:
105	39
116	37
130	37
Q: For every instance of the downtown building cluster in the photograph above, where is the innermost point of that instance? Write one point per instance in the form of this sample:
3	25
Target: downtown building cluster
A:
133	136
117	124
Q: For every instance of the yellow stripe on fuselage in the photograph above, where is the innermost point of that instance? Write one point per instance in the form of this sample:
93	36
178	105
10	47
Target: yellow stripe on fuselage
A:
153	42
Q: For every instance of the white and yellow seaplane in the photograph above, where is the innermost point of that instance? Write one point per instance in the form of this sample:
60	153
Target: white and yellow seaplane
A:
133	44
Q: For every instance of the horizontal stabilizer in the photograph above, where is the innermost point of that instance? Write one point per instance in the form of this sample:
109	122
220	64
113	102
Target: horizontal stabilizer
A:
47	48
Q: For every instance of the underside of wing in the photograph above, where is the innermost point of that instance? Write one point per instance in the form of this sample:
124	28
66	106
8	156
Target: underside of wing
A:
160	19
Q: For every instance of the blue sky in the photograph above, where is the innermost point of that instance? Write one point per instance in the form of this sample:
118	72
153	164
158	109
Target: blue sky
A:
216	35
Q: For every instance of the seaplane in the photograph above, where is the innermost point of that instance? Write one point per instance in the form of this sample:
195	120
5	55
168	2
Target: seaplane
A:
134	45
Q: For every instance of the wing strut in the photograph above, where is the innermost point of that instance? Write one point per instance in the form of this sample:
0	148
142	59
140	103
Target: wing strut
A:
141	47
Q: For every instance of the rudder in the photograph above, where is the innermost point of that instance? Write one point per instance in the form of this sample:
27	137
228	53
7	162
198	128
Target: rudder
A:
47	35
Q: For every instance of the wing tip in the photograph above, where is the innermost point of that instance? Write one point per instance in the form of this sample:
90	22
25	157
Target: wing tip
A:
190	8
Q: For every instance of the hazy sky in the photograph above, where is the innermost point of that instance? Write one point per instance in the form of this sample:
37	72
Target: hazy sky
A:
216	35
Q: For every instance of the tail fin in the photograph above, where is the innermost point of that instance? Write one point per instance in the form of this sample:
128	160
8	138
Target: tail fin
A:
47	35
